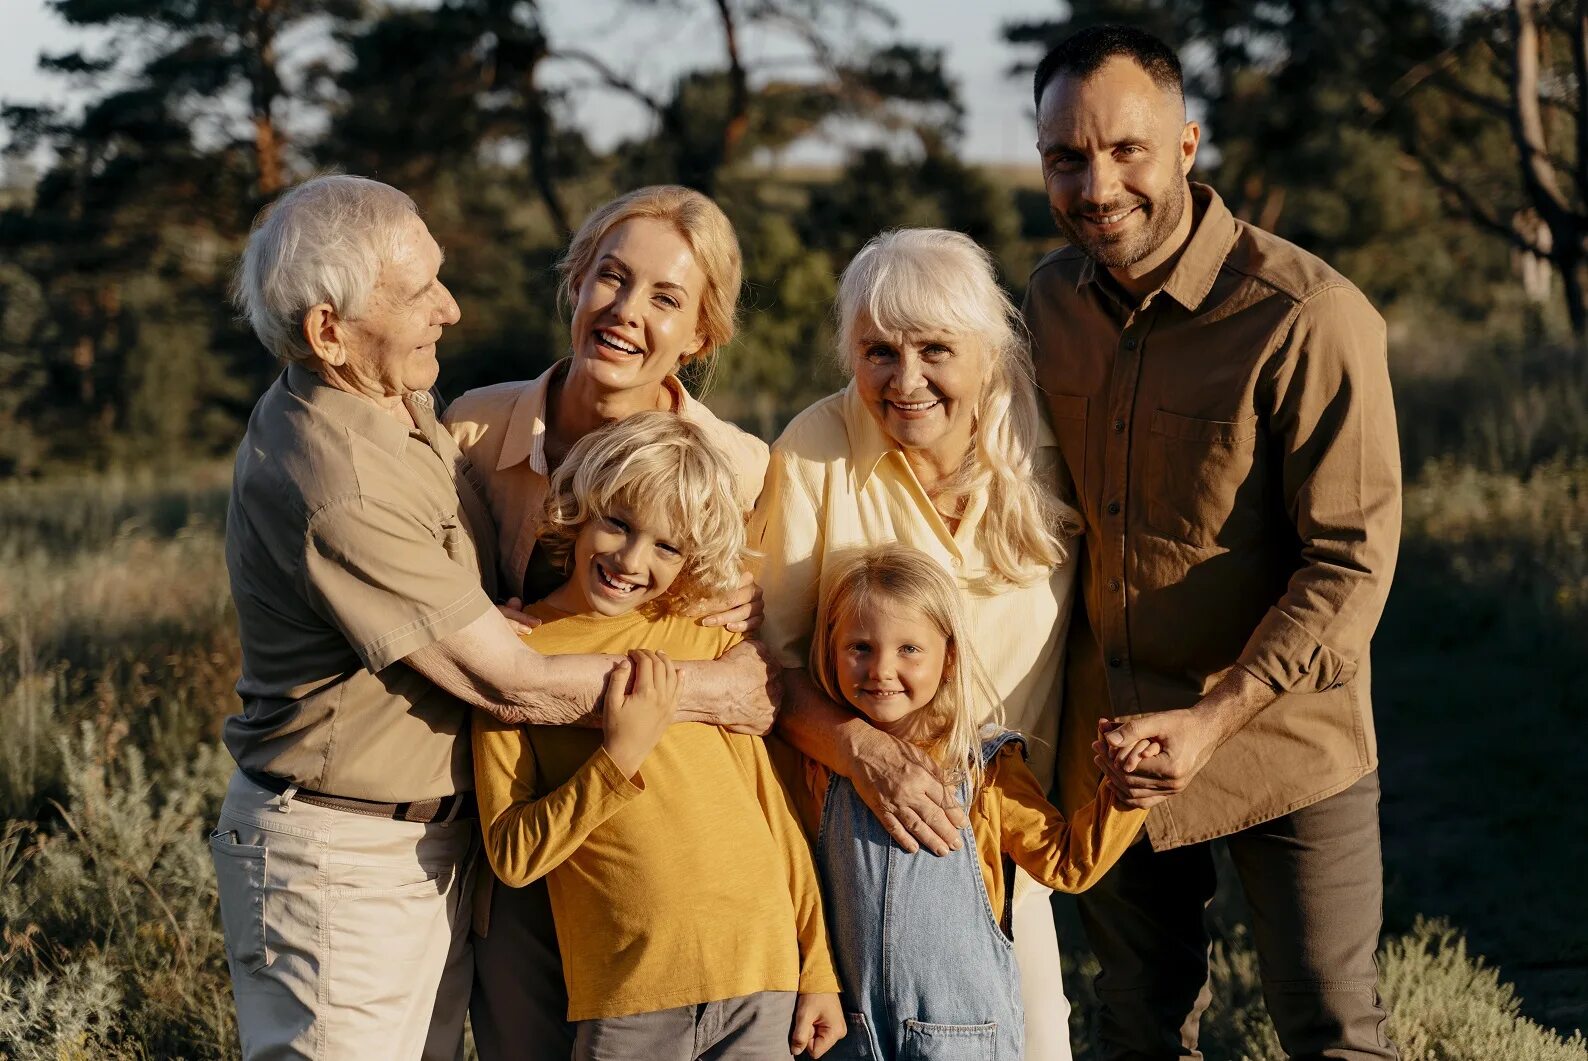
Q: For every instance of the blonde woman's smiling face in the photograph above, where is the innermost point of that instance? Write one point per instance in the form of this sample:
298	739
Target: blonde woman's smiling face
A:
921	386
638	313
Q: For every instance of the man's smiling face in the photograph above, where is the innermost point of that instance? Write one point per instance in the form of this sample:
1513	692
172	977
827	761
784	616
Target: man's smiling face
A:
1115	152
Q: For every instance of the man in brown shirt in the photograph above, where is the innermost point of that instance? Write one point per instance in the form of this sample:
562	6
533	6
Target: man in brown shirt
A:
357	543
1222	404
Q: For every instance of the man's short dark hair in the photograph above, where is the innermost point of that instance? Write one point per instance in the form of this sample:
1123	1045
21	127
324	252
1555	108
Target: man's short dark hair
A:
1083	53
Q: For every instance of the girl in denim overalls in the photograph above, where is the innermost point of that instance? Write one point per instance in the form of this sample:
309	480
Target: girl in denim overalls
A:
922	943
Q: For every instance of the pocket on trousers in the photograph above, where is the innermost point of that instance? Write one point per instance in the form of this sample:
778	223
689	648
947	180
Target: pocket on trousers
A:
378	936
240	885
858	1043
949	1042
1195	468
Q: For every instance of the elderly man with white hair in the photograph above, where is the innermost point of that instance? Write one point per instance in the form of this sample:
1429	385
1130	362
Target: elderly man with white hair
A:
361	563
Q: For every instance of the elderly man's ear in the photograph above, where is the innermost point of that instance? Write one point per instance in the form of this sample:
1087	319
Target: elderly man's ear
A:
324	331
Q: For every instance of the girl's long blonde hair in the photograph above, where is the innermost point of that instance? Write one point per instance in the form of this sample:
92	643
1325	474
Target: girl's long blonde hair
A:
912	280
659	466
865	579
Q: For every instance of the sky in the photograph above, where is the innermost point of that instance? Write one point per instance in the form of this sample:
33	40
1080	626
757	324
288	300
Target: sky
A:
998	122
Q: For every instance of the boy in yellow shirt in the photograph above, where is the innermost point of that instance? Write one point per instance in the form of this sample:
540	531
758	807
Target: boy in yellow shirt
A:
687	909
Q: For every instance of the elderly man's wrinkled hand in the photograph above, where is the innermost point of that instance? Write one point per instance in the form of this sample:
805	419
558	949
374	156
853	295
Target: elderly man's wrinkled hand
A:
905	791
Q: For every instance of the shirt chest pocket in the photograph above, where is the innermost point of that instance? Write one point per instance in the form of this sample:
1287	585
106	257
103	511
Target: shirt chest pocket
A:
1195	471
448	529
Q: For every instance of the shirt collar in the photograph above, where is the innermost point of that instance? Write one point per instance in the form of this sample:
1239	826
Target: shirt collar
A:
1210	244
354	412
868	443
525	438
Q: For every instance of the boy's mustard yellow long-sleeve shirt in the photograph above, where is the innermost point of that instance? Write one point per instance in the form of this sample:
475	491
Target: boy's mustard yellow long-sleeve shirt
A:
689	882
1011	816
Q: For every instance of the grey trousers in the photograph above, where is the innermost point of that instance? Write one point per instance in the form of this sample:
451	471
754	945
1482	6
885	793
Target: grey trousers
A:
346	936
1314	881
749	1028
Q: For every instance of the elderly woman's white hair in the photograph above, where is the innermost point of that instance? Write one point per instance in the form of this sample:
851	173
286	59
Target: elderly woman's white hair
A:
322	241
914	280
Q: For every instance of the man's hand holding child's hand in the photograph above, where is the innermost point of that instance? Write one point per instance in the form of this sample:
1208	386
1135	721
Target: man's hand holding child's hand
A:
1125	758
634	715
818	1024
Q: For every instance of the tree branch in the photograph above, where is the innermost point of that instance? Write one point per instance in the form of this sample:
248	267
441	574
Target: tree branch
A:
738	122
1478	212
610	77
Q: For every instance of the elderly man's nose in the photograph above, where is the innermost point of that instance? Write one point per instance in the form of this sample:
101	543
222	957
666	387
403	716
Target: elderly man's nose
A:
450	311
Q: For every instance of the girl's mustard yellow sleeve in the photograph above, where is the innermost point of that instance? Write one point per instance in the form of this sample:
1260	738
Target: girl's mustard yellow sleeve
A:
1067	856
526	837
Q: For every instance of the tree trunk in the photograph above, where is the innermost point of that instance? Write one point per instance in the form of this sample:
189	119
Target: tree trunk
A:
264	87
1570	267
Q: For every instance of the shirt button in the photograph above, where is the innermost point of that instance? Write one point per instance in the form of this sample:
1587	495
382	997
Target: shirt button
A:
1130	344
1113	585
1113	508
1119	425
1115	662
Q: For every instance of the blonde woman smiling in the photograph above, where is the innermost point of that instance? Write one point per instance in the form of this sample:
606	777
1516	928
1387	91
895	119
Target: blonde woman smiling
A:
652	279
936	443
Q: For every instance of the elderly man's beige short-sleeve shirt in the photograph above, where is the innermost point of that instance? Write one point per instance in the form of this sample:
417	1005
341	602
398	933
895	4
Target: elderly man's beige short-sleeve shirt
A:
836	482
351	542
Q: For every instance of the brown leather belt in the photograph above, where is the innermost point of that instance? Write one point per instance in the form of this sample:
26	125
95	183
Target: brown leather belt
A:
423	811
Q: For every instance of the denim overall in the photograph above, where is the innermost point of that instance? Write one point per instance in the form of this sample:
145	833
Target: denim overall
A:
928	973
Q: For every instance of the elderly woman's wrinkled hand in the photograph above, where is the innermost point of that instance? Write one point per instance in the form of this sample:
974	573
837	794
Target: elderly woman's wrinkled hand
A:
905	791
740	611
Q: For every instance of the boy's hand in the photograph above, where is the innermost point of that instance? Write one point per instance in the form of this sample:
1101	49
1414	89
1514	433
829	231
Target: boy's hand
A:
635	715
818	1024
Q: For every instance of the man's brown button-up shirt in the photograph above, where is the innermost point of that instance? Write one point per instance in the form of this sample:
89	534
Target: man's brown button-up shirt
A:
1231	444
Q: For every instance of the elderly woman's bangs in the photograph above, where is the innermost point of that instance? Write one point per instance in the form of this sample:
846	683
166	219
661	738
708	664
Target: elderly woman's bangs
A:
915	281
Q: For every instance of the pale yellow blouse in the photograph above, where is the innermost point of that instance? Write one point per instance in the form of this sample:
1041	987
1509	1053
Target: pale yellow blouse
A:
836	481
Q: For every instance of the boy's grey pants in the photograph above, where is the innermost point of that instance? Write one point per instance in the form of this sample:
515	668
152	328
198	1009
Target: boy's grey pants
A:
347	936
1314	880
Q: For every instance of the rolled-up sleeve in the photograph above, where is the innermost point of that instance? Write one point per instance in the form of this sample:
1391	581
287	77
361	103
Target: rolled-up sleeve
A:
1332	430
786	530
380	575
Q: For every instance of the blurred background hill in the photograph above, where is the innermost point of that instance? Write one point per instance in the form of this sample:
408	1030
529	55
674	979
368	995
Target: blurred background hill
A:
1435	152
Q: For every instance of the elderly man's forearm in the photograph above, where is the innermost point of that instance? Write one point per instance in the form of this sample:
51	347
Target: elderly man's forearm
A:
813	723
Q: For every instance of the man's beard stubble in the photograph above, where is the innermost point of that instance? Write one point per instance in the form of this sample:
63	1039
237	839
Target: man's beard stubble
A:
1163	215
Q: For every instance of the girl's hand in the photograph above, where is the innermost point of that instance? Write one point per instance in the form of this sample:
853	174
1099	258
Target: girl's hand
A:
818	1024
634	717
740	611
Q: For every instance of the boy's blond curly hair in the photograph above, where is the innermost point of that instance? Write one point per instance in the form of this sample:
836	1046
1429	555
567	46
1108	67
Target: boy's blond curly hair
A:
664	470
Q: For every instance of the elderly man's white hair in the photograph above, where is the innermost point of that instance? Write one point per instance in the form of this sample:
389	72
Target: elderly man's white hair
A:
323	241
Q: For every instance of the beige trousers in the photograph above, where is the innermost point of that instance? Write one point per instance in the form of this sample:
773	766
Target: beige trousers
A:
1041	977
347	936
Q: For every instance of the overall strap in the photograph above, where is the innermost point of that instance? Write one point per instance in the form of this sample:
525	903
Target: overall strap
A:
991	746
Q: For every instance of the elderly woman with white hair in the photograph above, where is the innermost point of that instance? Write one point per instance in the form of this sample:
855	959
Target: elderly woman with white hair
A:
936	443
362	565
